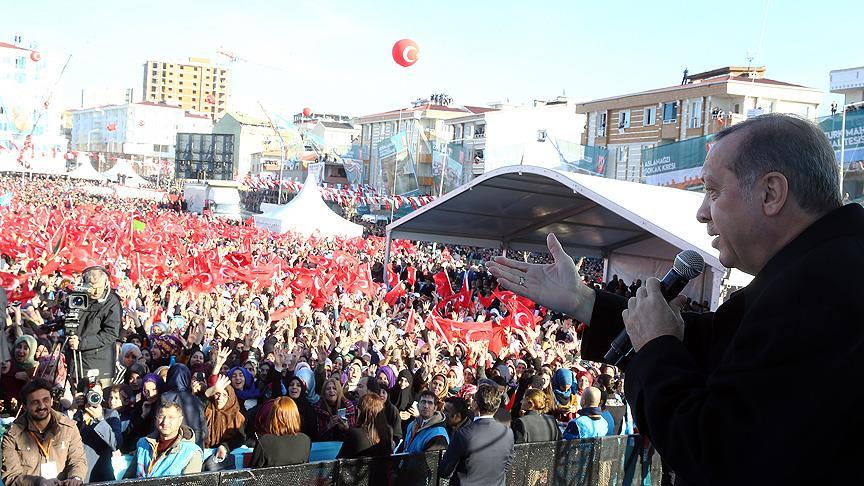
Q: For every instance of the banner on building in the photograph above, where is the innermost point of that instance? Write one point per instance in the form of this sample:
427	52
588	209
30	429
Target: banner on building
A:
580	158
398	174
353	163
676	164
832	127
451	162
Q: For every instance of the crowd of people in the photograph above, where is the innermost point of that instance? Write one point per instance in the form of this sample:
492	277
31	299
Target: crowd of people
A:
208	336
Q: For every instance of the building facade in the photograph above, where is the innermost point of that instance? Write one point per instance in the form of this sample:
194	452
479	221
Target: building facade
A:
143	131
850	83
26	110
196	85
255	137
513	135
704	104
337	136
426	132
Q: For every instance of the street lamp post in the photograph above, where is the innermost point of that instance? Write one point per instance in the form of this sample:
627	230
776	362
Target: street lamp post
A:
843	142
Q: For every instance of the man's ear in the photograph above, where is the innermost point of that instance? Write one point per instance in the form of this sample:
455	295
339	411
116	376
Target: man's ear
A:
774	192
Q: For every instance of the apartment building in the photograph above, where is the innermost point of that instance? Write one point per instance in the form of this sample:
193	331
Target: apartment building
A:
195	85
703	104
426	131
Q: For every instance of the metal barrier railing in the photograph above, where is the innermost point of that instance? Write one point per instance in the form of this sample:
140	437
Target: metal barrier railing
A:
618	460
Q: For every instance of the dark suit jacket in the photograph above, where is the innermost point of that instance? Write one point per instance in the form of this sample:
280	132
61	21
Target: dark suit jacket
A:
725	405
479	454
286	450
535	427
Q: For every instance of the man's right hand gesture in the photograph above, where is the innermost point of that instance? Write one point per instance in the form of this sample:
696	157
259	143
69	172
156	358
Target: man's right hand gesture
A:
554	285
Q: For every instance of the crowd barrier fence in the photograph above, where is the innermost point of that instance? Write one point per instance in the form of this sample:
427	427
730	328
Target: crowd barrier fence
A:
617	460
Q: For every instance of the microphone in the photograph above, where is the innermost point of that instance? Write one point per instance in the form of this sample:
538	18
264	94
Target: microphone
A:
687	266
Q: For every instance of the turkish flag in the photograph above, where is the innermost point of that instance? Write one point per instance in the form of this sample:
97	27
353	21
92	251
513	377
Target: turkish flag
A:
363	282
442	284
344	260
393	295
409	322
238	260
412	276
280	314
350	314
392	277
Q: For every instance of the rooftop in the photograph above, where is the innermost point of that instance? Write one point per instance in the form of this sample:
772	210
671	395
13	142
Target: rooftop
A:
331	124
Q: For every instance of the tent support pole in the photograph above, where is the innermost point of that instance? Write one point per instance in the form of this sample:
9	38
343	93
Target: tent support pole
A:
605	268
386	260
504	247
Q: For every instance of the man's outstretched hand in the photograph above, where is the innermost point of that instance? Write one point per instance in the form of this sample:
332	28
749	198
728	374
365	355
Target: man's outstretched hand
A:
554	285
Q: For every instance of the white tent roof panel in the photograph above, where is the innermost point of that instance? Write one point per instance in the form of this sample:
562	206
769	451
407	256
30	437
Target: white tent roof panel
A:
518	206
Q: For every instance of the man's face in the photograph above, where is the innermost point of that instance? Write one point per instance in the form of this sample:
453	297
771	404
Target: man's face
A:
452	419
426	407
39	404
168	422
361	387
732	214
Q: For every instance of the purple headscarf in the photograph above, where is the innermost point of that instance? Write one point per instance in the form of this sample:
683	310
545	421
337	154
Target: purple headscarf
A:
388	372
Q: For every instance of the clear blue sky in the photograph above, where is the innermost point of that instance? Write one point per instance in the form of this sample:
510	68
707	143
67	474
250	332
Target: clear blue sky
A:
335	55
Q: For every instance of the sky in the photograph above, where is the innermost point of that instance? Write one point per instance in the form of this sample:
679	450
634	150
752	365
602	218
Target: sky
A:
335	56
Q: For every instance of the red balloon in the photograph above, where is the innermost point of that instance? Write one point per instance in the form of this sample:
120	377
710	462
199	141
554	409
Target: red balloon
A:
307	111
405	52
35	56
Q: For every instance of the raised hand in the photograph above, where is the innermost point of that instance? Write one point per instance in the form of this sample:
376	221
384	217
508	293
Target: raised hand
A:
554	285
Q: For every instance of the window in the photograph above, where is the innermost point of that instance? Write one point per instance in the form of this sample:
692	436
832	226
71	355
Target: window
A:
670	112
601	125
695	113
737	108
622	157
649	116
624	119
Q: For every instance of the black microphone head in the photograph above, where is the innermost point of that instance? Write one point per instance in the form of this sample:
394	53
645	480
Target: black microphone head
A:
689	264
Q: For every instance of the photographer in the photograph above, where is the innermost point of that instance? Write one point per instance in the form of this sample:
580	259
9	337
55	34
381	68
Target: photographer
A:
99	326
100	432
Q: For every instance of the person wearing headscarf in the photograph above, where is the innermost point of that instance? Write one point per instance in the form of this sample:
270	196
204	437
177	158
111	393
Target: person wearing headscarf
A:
22	369
297	390
385	374
438	386
583	380
225	423
270	381
305	373
144	415
455	379
179	390
566	401
402	396
244	387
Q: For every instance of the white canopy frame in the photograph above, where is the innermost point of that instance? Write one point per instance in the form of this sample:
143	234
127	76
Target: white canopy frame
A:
636	228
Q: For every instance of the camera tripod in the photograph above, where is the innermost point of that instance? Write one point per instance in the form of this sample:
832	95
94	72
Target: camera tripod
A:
57	351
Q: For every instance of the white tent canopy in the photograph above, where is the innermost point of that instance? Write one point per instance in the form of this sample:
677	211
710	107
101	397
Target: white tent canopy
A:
47	165
86	171
123	167
307	213
637	228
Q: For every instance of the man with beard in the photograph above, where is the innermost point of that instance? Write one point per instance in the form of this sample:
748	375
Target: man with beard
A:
43	447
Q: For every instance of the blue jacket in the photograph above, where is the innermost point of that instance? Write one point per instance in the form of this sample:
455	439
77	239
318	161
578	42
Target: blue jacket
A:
417	441
184	457
584	427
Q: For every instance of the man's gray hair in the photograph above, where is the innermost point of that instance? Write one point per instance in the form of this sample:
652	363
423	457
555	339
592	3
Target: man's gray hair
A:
794	147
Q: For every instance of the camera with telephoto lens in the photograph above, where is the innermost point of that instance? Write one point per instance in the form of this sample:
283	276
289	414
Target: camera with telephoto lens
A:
72	302
93	397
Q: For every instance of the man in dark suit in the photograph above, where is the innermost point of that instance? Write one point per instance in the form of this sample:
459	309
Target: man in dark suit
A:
720	394
480	449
